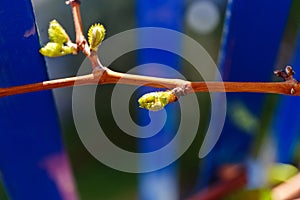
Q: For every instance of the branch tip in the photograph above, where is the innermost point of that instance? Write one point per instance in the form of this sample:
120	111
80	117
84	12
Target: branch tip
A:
72	1
286	74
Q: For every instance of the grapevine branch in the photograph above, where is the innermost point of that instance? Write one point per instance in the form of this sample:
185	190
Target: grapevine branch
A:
103	75
108	76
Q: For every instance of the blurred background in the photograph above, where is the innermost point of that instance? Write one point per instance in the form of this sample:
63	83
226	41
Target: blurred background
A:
257	126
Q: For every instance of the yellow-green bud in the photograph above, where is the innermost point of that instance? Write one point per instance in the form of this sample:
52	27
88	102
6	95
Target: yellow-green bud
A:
155	101
53	49
57	33
96	35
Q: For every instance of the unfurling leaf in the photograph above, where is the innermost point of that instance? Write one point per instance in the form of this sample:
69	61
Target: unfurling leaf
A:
155	101
57	33
53	49
59	44
96	35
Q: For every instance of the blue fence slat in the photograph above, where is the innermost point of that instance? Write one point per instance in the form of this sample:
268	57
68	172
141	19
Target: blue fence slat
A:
252	34
285	125
33	163
161	184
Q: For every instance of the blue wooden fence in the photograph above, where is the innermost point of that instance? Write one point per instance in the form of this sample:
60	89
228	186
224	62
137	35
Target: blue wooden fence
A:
252	35
33	162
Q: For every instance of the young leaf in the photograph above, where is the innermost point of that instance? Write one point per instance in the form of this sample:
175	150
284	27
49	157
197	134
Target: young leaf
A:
57	33
96	35
53	49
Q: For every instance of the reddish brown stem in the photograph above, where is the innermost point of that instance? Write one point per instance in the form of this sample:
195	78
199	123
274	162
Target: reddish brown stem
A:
80	39
77	21
256	87
107	76
113	77
47	85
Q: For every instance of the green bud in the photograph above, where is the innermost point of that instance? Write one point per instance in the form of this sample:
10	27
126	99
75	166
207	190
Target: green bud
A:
53	49
57	33
155	101
96	35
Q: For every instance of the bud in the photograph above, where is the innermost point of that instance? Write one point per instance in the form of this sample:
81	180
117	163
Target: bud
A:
96	35
155	101
57	33
53	49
